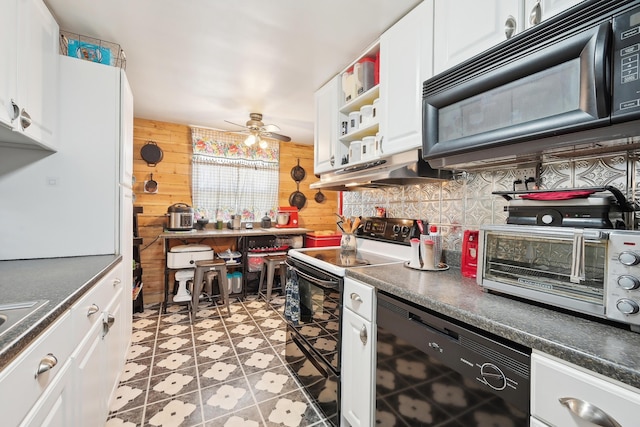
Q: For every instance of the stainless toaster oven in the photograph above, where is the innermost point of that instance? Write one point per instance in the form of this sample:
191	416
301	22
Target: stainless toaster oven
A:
590	271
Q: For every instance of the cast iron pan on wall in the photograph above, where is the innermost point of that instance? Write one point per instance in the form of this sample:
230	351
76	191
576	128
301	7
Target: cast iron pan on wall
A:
151	153
297	198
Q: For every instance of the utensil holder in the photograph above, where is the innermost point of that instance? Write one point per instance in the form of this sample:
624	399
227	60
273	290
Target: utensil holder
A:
348	243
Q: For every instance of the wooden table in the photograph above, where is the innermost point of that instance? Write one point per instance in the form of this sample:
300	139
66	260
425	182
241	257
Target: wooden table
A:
241	235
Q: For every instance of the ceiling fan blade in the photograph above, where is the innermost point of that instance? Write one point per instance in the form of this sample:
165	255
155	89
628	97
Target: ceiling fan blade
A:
236	124
276	136
270	128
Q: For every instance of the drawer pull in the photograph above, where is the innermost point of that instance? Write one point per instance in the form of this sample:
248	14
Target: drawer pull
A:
589	412
46	363
93	309
355	297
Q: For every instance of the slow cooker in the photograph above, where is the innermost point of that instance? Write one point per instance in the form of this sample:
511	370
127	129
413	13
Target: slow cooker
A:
180	217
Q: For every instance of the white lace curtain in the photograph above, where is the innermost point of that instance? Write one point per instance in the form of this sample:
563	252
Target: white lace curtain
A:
231	178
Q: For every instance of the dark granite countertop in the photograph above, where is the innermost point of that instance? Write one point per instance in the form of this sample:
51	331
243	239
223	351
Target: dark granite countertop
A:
60	281
600	347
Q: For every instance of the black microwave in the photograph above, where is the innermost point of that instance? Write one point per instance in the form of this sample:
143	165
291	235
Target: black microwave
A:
571	79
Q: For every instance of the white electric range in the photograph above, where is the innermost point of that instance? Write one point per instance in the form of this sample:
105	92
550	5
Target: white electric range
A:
313	333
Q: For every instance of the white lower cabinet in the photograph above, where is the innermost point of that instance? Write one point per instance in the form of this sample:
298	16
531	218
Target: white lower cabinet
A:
357	372
79	358
586	396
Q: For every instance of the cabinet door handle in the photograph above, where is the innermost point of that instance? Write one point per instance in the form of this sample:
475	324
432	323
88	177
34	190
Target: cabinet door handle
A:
116	282
363	334
589	412
332	160
107	323
15	110
535	16
355	297
510	27
93	309
46	364
25	119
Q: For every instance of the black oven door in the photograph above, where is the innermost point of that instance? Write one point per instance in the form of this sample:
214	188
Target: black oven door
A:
320	303
562	87
313	303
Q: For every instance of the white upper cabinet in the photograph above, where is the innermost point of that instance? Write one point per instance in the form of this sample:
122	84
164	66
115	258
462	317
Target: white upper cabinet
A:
37	74
8	64
464	28
405	63
326	126
537	11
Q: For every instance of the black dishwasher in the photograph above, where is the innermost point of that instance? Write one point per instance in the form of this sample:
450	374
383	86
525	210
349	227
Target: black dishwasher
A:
434	371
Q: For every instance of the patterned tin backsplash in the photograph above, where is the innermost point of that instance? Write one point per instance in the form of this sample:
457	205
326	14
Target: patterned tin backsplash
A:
466	202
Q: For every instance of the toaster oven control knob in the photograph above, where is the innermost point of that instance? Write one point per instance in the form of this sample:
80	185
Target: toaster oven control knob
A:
405	230
396	229
628	282
629	258
627	306
493	376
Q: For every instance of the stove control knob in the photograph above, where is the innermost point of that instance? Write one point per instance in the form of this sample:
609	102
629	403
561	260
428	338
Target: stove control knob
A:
405	229
629	258
547	219
396	229
627	306
628	282
493	376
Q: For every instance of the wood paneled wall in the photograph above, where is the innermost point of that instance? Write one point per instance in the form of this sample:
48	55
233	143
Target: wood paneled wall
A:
173	175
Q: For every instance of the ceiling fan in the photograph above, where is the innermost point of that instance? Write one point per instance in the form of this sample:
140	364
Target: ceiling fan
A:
258	130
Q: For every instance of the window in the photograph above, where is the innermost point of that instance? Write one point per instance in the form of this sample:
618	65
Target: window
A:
230	177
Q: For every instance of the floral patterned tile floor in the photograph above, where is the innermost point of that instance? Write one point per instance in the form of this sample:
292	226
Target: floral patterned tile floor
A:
217	371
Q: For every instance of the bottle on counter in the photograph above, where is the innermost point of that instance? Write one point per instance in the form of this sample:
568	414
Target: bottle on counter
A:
436	237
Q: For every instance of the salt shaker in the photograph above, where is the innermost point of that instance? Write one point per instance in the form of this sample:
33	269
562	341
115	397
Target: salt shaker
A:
415	253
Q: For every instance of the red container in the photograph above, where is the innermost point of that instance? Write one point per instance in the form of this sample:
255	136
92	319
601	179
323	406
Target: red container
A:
469	263
315	240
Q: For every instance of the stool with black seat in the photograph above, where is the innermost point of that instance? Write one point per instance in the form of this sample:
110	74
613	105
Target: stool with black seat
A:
218	266
269	266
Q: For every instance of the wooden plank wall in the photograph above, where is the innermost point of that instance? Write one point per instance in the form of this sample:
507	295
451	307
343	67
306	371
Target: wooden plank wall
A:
173	175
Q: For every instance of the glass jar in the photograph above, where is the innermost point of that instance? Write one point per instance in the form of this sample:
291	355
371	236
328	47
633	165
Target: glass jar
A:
348	243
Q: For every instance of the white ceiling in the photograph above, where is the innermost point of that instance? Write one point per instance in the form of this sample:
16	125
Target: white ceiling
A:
200	62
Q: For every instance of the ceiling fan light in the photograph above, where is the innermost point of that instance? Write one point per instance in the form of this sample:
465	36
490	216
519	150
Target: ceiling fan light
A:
251	139
263	143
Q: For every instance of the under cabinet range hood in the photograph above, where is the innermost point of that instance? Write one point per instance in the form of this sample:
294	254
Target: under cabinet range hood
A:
398	169
568	85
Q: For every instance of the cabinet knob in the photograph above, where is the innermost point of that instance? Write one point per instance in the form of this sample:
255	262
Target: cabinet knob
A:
510	27
46	364
363	334
25	119
93	309
589	412
535	16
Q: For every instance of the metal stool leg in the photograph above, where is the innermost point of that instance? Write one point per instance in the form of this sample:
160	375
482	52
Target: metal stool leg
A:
270	272
224	289
197	288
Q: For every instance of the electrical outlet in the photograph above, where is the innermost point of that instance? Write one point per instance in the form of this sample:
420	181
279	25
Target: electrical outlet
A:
530	171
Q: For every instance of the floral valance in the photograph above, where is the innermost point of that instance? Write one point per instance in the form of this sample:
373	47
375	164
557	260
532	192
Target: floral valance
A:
217	147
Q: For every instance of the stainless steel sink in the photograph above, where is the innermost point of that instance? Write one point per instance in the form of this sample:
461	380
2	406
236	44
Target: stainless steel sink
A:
12	314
